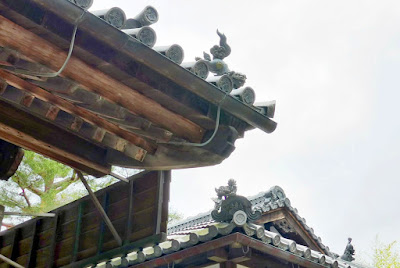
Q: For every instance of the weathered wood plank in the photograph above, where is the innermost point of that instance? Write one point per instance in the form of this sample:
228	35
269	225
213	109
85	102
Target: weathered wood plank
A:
77	124
50	260
52	113
27	100
33	246
77	231
15	244
29	132
73	109
100	209
61	238
103	224
48	54
3	86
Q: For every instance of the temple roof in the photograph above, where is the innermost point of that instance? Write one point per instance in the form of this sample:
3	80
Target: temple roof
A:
214	235
119	100
268	202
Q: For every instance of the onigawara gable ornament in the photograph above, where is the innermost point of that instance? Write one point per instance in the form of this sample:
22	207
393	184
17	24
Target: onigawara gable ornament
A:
229	205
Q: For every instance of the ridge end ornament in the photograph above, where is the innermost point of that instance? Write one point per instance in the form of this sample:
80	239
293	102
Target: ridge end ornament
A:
348	252
218	66
228	203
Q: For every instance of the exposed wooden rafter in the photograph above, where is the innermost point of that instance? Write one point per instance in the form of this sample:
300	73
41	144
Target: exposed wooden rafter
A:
40	50
25	130
78	111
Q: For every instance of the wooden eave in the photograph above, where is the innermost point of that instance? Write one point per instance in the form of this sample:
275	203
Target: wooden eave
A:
229	251
300	235
172	104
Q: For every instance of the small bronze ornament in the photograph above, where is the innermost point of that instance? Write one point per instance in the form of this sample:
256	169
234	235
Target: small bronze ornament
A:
348	252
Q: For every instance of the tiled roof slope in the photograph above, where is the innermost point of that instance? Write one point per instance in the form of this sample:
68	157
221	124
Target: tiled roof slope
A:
267	201
196	236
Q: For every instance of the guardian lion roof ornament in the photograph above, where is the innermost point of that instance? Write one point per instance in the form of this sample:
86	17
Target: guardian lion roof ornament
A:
228	205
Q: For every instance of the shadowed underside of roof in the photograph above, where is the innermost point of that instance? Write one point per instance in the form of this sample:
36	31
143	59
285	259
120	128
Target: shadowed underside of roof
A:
117	102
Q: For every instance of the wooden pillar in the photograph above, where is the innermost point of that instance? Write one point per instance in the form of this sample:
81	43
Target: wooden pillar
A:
160	199
128	228
1	215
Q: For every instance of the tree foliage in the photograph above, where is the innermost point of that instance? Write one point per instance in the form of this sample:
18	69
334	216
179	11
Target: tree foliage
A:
41	184
386	255
174	216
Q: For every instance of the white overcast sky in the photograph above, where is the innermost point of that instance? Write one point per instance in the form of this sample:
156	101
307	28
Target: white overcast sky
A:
333	68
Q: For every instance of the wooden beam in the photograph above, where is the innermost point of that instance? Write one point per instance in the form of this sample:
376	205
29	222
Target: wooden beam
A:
298	227
51	215
77	124
218	255
228	264
99	135
52	113
238	255
32	133
3	86
10	262
27	100
78	111
119	177
265	261
271	216
42	51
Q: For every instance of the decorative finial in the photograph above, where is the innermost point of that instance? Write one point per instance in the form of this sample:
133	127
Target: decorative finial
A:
228	203
223	50
348	252
217	64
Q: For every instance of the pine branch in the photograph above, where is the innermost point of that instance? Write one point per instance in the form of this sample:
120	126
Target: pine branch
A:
26	197
62	185
16	204
35	190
